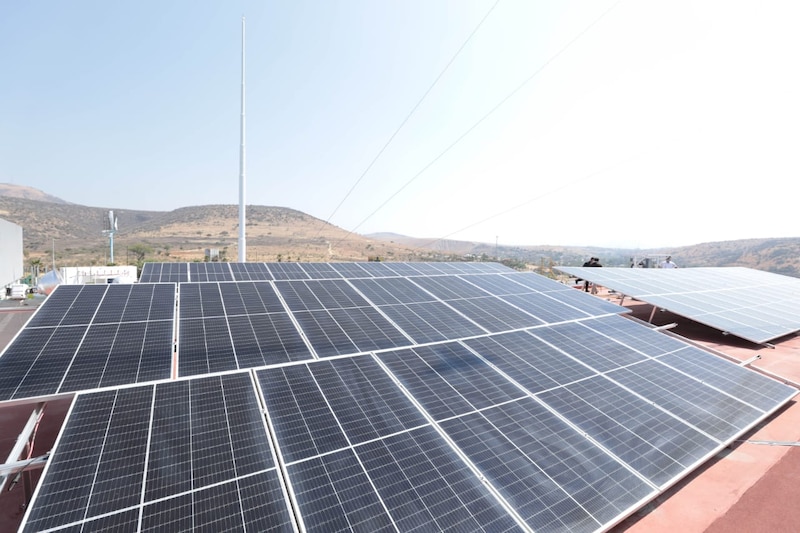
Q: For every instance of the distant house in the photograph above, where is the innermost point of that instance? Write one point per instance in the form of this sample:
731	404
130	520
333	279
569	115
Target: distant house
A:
12	266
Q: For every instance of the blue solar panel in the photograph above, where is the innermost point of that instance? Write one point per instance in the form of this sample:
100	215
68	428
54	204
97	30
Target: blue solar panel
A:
183	452
532	363
548	472
397	396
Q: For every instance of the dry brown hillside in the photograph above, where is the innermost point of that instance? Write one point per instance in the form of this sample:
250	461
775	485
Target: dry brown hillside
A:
11	190
75	232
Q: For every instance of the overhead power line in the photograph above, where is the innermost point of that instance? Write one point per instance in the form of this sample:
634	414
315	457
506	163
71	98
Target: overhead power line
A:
565	185
483	118
410	113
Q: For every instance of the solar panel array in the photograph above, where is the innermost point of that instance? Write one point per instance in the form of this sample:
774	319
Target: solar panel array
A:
751	304
375	400
91	336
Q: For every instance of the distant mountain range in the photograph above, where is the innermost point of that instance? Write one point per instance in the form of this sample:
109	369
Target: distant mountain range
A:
75	232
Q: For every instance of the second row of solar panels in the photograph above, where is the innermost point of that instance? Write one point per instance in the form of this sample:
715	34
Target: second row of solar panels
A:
230	326
202	272
94	336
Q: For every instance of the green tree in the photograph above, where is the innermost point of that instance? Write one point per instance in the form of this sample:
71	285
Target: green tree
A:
140	252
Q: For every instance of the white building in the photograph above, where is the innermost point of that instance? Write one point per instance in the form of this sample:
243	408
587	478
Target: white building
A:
12	263
98	274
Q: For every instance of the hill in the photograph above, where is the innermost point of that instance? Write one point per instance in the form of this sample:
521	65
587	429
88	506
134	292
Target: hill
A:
75	232
29	193
780	255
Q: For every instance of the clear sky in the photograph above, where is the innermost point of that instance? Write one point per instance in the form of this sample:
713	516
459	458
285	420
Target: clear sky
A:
638	123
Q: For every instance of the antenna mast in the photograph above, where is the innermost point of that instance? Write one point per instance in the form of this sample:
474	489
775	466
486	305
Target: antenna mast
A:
110	230
242	243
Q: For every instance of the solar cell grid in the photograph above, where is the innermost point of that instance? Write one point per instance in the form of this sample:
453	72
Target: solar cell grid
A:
541	503
425	486
493	314
591	349
150	272
170	471
389	291
261	340
358	390
57	305
754	389
114	303
84	306
535	282
711	411
436	321
320	270
314	295
69	488
528	361
449	287
384	270
399	269
498	285
136	300
351	270
250	271
368	329
324	334
628	332
587	303
301	418
205	346
651	442
544	308
449	380
558	451
334	494
446	436
39	374
286	271
210	301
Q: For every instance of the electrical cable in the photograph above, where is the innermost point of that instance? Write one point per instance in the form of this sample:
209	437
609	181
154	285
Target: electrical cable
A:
405	120
484	117
531	200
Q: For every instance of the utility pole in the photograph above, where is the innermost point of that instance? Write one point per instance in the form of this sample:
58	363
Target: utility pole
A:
242	217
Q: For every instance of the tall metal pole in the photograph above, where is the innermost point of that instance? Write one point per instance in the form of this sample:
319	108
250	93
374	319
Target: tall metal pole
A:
242	243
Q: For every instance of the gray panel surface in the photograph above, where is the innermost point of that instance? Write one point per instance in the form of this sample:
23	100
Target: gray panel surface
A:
382	396
754	305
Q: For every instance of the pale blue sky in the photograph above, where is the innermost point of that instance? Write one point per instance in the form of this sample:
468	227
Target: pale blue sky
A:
657	124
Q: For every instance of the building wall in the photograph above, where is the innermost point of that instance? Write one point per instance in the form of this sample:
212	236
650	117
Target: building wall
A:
12	266
98	274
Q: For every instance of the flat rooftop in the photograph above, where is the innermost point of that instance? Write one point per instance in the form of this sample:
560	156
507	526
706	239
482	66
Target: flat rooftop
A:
753	484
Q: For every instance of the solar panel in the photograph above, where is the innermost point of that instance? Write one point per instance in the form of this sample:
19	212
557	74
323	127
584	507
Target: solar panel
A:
320	270
351	270
164	273
435	397
230	326
751	304
106	335
287	271
172	454
250	272
360	456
